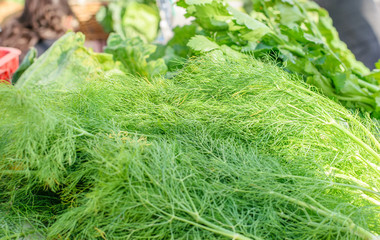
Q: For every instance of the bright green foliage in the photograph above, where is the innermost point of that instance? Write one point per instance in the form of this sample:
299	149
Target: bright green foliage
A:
65	65
230	148
28	60
298	35
131	19
201	43
134	54
180	39
376	73
176	52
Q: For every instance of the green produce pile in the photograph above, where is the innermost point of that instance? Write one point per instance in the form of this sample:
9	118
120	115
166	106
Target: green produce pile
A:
229	147
148	142
297	34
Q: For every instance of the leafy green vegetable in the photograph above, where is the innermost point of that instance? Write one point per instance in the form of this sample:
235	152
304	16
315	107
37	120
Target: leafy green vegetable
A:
133	54
64	65
29	59
375	74
180	39
231	147
130	19
201	43
300	36
176	52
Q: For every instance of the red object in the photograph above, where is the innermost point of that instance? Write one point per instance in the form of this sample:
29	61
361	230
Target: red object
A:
9	60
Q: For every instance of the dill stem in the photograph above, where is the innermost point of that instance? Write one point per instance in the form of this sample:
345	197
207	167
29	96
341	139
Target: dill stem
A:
204	224
372	165
212	227
345	221
362	127
356	139
367	132
83	132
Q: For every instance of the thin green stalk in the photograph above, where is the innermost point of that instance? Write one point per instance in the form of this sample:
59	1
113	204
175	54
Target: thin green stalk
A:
362	99
210	227
372	165
189	198
204	224
354	187
353	179
355	139
83	132
371	87
293	49
350	117
345	221
366	131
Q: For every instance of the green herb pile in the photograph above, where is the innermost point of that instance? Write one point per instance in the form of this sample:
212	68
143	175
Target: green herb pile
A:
230	147
298	34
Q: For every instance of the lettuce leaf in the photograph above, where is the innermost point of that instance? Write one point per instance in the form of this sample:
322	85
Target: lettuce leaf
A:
64	65
133	53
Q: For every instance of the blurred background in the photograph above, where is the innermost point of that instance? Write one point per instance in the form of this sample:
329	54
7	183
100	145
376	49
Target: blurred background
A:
38	23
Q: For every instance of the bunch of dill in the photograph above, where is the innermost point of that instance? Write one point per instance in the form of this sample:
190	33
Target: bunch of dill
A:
229	148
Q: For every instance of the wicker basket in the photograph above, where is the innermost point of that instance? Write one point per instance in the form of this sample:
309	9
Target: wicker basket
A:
86	15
